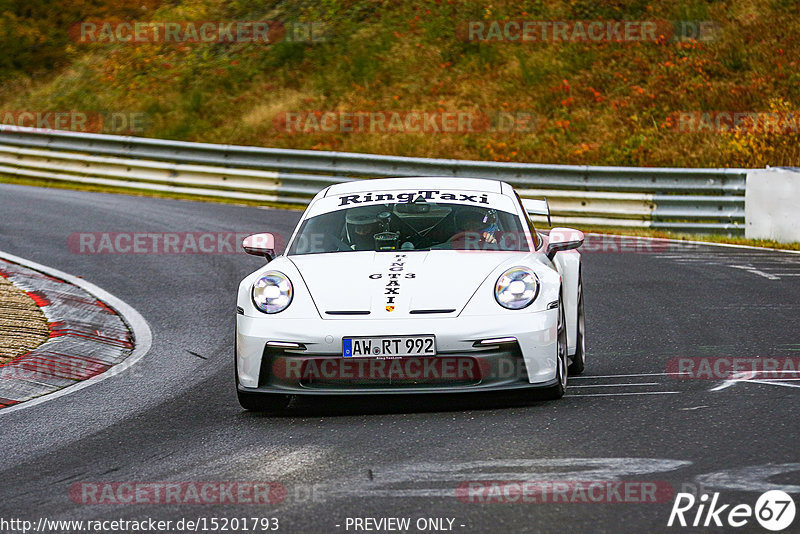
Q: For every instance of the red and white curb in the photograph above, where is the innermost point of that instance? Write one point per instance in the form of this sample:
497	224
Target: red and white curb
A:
93	335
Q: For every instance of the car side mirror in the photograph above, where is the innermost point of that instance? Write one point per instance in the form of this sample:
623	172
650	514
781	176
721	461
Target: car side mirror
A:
563	239
260	245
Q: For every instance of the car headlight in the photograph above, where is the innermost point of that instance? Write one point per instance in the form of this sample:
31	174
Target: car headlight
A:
516	288
272	293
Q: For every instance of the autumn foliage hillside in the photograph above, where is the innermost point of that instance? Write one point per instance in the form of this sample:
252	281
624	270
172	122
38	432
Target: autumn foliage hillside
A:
597	102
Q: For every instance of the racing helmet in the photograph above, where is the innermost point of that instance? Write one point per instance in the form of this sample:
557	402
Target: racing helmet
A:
473	219
361	225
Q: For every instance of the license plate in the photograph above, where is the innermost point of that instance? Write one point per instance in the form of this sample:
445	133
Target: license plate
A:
388	347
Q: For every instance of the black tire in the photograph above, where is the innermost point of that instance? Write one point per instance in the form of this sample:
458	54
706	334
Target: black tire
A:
557	390
263	402
579	358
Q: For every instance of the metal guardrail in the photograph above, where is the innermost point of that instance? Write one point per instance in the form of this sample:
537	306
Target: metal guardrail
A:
693	200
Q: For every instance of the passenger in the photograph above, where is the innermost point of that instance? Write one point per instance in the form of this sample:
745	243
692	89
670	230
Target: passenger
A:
474	227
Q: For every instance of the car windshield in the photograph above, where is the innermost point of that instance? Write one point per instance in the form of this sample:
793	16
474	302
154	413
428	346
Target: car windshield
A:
410	226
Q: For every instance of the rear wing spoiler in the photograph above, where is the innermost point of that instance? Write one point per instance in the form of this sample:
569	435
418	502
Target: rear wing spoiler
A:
537	206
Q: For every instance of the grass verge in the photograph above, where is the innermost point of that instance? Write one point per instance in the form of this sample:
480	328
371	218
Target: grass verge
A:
22	323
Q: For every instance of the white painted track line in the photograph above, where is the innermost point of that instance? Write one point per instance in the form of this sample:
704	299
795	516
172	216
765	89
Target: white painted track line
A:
625	394
615	385
626	376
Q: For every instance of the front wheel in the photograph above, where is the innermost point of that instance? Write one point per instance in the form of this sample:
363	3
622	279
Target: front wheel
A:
557	390
579	359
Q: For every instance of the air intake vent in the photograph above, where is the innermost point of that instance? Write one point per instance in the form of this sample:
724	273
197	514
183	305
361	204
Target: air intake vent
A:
347	312
419	312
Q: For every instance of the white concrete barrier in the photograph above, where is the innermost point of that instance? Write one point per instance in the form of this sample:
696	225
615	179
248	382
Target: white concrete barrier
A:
772	205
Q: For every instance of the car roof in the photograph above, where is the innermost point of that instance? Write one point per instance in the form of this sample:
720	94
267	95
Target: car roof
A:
421	183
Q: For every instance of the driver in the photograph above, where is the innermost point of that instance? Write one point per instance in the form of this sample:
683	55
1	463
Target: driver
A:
361	226
474	225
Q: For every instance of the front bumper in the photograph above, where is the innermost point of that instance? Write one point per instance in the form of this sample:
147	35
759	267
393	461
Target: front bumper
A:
459	366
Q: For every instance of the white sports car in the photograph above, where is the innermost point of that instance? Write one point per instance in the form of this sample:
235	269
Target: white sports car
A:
411	285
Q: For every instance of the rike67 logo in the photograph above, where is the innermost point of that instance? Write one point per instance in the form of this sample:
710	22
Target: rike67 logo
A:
774	510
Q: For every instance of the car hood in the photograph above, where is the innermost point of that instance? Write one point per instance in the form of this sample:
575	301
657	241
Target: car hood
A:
370	285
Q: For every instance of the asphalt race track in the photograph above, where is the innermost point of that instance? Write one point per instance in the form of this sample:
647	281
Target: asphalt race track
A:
173	417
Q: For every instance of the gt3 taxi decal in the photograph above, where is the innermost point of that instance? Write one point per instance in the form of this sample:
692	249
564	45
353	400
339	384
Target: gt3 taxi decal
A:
395	274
